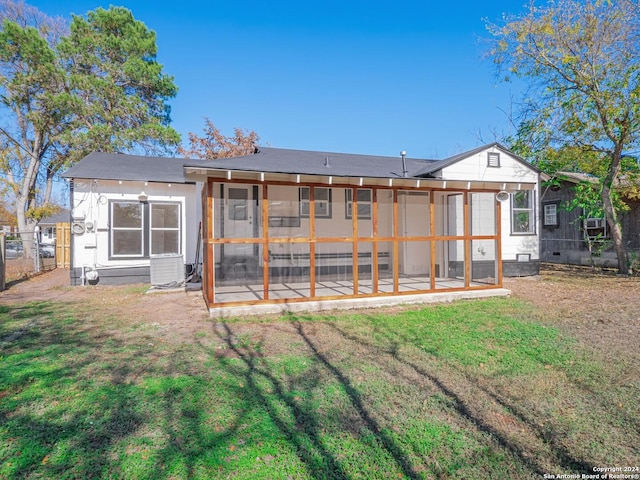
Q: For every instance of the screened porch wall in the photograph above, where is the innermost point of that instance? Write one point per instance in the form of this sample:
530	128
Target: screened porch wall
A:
293	242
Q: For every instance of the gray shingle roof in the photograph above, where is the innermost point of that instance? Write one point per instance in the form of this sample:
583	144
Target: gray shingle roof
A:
63	216
109	166
117	166
304	162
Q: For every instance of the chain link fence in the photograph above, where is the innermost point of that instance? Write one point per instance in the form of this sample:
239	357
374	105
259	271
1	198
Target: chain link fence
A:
25	254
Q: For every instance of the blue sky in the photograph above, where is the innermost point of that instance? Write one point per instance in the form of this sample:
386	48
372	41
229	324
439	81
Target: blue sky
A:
347	76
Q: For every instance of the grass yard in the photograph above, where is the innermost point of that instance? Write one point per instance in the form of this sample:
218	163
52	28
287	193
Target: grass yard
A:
496	388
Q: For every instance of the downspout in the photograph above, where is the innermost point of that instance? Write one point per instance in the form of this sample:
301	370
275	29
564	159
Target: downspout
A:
71	237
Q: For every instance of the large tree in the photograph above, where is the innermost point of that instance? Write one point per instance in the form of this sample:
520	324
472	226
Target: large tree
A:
582	61
64	94
216	145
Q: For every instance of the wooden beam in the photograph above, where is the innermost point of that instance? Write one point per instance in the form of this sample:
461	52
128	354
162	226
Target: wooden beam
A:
354	254
467	242
265	245
432	229
396	286
312	245
210	249
374	250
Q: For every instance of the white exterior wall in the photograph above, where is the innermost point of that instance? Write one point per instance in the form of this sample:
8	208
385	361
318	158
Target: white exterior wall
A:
511	170
90	202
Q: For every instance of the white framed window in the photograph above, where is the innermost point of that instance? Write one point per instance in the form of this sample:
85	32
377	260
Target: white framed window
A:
165	228
322	202
550	212
138	229
127	229
364	196
523	213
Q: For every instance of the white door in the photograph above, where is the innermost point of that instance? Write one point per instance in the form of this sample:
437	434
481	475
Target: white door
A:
240	219
413	217
455	227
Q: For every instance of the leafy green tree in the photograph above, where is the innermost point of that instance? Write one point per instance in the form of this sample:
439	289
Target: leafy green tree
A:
583	108
96	86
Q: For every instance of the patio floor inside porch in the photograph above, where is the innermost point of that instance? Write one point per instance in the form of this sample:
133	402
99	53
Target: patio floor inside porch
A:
414	289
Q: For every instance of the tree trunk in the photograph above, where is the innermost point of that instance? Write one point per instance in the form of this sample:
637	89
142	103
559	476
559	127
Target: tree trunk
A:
25	227
614	228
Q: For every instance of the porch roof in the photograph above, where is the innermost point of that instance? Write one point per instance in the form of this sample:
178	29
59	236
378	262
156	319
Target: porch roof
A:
303	166
305	162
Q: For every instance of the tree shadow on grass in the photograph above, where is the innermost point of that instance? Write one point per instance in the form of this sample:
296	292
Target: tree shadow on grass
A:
297	422
56	420
301	423
464	406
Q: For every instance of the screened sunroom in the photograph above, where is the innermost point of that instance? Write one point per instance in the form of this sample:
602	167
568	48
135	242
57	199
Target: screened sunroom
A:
278	242
325	234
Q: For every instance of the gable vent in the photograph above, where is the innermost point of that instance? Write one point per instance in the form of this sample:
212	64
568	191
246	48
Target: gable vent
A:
493	159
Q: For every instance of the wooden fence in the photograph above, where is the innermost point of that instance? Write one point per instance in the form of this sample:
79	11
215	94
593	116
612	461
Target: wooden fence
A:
63	245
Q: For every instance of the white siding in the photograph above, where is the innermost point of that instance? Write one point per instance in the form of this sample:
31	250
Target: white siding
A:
511	170
91	201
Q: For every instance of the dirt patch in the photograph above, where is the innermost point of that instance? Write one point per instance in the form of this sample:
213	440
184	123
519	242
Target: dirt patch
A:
178	313
598	307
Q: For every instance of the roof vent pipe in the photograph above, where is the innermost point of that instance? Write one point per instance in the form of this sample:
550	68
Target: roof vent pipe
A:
326	162
404	163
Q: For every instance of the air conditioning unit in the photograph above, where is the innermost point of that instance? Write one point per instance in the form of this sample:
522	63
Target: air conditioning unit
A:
167	269
593	223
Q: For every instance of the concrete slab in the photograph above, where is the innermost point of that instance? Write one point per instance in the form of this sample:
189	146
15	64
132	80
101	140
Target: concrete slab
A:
353	303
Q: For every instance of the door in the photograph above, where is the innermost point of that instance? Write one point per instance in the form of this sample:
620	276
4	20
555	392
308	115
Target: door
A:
455	227
413	217
239	219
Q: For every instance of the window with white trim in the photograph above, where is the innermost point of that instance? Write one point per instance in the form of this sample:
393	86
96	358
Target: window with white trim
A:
138	229
364	197
127	226
165	228
523	213
321	201
550	218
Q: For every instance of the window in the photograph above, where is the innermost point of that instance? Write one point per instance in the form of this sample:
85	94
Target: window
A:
364	203
493	159
238	203
522	212
127	222
322	202
139	229
550	218
165	228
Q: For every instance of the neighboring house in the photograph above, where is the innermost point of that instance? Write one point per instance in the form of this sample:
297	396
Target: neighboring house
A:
569	236
290	227
48	226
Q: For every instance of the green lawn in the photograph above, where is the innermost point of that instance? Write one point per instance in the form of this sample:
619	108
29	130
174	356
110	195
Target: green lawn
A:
467	390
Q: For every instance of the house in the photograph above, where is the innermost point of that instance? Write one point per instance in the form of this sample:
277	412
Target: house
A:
127	209
572	236
300	229
48	226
